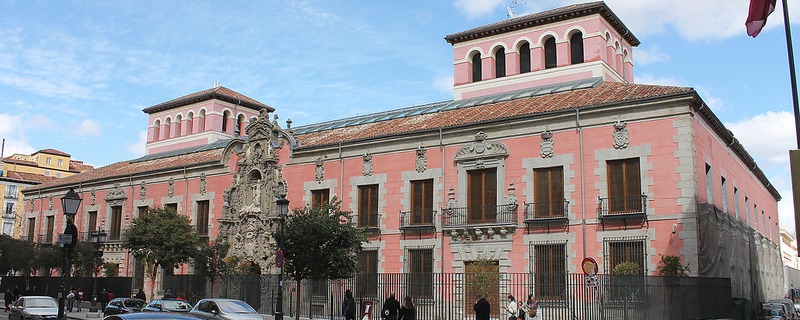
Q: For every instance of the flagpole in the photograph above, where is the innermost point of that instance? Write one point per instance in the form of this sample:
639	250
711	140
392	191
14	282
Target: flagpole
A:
792	72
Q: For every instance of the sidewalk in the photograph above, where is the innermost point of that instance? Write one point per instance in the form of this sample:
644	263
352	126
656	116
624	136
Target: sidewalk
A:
84	314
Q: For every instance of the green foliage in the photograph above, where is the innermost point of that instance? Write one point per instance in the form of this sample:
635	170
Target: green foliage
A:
162	238
110	269
319	244
627	268
209	260
482	278
671	266
83	259
48	258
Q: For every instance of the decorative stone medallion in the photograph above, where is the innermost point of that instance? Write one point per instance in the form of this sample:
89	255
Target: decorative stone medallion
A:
171	187
547	145
142	190
367	165
203	183
320	169
93	198
620	135
422	160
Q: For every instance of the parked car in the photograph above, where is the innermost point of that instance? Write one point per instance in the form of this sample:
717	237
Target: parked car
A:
33	307
229	309
124	305
152	316
167	305
774	311
791	313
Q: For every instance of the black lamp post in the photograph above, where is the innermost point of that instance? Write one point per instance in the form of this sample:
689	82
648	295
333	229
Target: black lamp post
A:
69	203
283	209
98	238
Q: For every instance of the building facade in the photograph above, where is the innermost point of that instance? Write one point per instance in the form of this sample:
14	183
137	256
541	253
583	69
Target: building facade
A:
549	153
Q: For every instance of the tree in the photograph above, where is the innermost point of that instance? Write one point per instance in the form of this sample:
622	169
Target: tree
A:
162	238
319	243
209	260
83	259
671	266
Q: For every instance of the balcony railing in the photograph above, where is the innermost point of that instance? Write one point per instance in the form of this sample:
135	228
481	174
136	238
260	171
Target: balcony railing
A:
26	238
417	218
46	239
489	215
546	211
622	207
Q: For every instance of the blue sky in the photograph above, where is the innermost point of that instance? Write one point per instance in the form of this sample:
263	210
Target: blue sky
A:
75	75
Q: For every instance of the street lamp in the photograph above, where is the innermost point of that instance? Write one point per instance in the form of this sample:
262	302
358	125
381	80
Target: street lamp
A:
69	203
283	208
98	238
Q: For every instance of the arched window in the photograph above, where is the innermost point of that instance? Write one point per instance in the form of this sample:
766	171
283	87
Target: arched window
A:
550	53
477	71
189	123
576	47
500	62
201	126
240	125
157	130
178	125
525	57
225	116
167	127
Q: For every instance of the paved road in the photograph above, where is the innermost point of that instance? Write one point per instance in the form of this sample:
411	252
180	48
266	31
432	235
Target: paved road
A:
72	315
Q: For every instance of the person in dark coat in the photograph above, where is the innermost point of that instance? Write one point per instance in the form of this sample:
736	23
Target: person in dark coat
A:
169	295
9	297
140	295
407	310
103	297
390	308
482	308
349	306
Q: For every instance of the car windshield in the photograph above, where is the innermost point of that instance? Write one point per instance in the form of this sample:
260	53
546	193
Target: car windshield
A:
175	305
40	303
134	303
233	306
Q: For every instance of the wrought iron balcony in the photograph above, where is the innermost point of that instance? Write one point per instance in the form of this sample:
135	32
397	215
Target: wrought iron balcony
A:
474	216
26	238
622	207
546	211
417	220
46	239
371	225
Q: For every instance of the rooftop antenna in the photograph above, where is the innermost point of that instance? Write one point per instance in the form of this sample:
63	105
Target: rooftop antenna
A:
510	10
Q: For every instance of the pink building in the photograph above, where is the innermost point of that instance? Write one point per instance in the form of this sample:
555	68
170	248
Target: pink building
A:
548	154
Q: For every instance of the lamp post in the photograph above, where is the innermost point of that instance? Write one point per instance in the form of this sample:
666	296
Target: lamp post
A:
69	203
283	209
98	238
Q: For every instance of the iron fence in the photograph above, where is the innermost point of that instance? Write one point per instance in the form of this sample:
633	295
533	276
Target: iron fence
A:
452	296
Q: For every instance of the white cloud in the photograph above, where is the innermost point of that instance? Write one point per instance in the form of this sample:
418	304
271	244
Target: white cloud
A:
89	127
713	101
444	83
767	137
649	78
651	55
476	8
137	149
12	130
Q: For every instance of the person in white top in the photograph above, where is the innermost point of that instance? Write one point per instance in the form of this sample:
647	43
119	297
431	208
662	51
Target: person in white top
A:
512	308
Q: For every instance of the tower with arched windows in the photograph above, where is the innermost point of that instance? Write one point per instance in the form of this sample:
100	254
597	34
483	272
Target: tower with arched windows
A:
199	119
565	44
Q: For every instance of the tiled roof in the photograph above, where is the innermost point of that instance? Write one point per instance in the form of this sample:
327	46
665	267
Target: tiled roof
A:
545	17
483	109
126	168
219	93
79	166
27	177
21	162
54	152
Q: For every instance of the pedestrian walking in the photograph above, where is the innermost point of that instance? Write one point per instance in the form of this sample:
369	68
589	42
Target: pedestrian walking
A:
71	299
9	298
103	297
78	299
532	307
408	311
349	306
512	308
140	295
390	308
483	308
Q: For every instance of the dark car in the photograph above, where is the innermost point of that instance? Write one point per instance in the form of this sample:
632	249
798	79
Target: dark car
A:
152	316
34	307
124	305
228	309
167	305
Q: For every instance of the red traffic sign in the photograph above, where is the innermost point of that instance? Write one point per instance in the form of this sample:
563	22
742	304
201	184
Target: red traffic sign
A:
589	266
279	258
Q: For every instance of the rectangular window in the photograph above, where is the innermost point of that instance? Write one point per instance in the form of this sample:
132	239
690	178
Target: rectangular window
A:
482	195
709	185
737	210
368	206
48	160
420	269
60	162
92	221
202	218
141	210
320	197
368	273
116	223
618	252
755	215
9	209
747	209
171	206
11	191
548	189
31	228
724	191
550	271
624	186
49	224
422	202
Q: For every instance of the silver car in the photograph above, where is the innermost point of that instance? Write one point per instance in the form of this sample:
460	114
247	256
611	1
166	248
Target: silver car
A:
228	309
34	307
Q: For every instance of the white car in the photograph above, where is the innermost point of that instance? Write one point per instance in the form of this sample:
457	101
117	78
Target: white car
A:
34	307
229	309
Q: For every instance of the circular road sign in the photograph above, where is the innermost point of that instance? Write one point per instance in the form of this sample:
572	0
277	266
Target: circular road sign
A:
589	266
